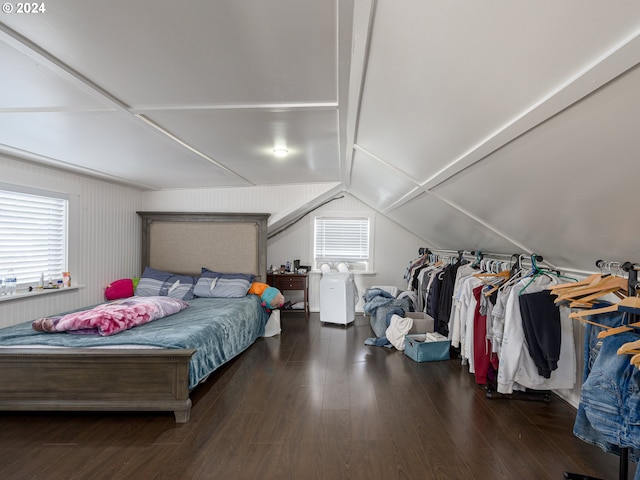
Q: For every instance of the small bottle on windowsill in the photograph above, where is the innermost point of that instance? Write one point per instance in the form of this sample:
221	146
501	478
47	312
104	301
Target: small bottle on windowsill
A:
11	282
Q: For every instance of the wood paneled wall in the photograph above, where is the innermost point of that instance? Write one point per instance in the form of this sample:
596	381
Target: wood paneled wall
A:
104	237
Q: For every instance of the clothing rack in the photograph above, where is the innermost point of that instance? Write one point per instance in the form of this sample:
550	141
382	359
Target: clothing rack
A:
528	394
512	262
632	282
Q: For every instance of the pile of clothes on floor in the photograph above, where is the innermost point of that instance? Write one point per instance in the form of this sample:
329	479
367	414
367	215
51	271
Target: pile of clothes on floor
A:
387	313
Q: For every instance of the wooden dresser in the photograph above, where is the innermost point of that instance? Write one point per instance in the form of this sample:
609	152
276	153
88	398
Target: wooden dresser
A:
291	281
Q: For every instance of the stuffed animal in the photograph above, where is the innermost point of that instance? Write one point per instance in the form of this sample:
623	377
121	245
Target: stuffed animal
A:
270	297
257	288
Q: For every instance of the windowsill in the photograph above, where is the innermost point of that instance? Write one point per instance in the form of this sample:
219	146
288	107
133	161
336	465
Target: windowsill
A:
21	295
355	272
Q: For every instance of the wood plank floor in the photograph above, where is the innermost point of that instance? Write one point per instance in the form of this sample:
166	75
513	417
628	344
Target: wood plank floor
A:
313	402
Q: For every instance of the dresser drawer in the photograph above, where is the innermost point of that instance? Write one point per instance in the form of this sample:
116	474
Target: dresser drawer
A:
286	282
294	283
289	282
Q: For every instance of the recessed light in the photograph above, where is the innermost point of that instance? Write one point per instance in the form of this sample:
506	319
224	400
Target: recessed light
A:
280	152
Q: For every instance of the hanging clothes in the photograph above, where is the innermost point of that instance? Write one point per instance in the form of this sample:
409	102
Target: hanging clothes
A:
484	360
593	423
517	368
445	299
542	330
433	292
464	273
463	319
425	277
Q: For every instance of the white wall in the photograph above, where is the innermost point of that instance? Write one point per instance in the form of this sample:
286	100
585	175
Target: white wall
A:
104	232
276	200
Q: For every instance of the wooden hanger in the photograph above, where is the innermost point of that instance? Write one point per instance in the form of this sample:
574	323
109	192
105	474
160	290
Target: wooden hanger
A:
503	273
604	283
629	348
585	320
588	301
489	278
508	281
607	284
562	287
628	305
616	330
635	360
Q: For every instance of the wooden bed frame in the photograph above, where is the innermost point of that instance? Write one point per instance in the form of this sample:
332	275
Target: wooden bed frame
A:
137	379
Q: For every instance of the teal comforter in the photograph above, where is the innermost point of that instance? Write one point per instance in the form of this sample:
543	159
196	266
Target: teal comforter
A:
218	328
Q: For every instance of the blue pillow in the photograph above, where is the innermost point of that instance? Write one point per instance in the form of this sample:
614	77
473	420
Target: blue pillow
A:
165	284
222	285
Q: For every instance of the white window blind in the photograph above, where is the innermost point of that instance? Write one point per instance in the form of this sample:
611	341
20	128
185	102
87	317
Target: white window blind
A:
341	240
33	236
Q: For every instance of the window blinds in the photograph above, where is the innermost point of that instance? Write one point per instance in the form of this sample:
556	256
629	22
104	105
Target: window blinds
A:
342	239
33	236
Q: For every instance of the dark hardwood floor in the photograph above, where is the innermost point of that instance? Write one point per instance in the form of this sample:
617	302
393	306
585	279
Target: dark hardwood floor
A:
313	402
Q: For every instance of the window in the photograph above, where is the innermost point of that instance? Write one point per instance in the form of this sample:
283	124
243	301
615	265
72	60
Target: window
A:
33	235
343	239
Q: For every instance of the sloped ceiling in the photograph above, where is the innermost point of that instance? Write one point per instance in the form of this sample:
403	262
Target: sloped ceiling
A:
499	126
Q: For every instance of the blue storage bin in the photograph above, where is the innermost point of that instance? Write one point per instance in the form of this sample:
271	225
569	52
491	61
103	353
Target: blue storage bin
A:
420	351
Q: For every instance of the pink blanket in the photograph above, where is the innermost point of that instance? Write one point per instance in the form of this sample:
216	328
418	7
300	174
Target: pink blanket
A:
111	318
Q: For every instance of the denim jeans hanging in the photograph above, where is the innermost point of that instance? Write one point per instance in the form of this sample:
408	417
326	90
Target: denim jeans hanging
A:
609	410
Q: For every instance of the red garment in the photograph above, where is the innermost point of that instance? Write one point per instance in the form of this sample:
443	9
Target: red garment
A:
483	358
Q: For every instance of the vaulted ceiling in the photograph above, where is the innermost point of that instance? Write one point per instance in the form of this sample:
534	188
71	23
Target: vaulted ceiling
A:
501	126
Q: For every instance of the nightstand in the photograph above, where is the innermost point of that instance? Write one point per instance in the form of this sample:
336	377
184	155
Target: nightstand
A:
291	281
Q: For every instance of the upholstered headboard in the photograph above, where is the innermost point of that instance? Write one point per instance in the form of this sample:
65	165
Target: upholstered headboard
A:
223	242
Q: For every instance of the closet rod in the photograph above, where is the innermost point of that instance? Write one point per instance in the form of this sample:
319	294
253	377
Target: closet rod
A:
626	266
519	257
485	254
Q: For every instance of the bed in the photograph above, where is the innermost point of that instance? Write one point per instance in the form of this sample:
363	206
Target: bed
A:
128	372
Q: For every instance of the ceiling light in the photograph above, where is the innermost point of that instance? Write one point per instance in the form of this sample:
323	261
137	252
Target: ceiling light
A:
280	152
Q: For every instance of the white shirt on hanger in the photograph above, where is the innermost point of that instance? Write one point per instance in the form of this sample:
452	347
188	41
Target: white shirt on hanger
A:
516	367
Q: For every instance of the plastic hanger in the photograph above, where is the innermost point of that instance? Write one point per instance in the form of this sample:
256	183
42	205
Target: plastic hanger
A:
537	272
510	281
552	274
515	272
478	260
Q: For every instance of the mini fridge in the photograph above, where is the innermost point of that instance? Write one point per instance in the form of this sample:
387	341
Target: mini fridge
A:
337	298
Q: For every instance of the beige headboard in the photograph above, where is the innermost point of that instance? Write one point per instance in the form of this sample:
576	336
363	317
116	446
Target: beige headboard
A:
223	242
